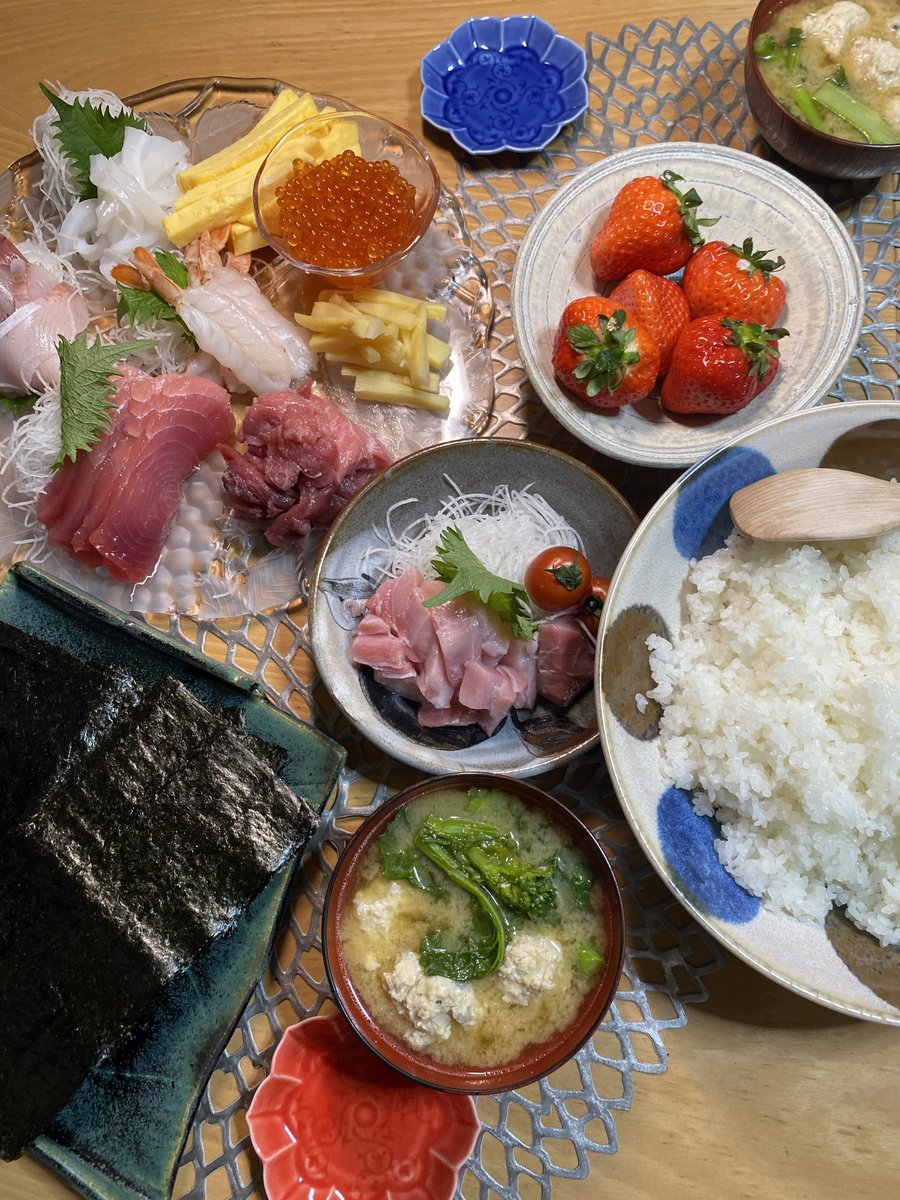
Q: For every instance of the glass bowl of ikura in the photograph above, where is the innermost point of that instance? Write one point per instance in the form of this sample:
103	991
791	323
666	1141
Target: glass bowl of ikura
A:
504	83
796	140
322	139
538	1058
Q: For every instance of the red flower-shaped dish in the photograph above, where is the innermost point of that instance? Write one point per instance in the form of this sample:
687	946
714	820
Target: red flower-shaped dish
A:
332	1119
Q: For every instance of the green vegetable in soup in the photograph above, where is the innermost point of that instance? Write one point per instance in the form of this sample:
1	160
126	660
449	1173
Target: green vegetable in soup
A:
766	49
480	952
795	37
490	857
808	110
855	113
405	862
589	959
578	877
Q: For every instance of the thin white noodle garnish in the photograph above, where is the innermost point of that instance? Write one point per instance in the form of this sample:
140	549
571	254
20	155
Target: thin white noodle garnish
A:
505	528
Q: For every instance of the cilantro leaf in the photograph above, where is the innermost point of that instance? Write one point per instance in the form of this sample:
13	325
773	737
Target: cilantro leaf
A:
465	573
86	384
84	129
17	405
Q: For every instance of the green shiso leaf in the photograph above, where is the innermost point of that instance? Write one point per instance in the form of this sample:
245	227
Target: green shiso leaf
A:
85	129
86	384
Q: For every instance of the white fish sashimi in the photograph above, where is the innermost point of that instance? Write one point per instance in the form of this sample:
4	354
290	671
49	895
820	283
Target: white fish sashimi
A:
36	311
236	324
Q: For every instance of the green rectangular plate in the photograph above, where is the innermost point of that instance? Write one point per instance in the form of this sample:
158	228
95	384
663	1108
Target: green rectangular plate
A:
122	1134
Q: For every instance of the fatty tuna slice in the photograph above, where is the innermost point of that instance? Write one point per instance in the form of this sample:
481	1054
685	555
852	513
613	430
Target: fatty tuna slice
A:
565	660
128	486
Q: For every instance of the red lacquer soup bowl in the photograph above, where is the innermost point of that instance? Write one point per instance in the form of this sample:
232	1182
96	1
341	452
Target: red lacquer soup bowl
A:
538	1059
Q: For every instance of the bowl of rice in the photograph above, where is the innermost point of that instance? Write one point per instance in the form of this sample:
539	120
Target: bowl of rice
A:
748	700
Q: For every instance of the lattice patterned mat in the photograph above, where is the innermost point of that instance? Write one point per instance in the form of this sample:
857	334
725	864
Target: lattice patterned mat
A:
666	82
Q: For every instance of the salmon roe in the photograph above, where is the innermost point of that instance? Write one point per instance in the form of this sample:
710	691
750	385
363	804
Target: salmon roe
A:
345	211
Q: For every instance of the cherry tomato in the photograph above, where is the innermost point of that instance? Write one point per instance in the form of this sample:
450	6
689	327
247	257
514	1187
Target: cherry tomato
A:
593	604
558	578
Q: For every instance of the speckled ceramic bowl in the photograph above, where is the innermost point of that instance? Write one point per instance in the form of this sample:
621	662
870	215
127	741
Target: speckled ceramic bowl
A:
538	1060
753	198
503	83
525	744
835	964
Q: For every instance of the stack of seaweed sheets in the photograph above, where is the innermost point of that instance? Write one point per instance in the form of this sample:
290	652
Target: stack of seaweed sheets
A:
135	826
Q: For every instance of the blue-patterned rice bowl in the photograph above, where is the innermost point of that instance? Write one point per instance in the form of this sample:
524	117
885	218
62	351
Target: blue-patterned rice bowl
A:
835	963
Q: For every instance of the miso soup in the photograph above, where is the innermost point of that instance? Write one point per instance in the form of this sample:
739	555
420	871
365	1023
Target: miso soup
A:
549	962
836	66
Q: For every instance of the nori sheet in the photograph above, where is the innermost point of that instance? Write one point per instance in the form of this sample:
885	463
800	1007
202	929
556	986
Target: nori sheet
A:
173	828
52	705
151	835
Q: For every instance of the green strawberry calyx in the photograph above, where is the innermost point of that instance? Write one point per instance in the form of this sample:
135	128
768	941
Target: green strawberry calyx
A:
606	351
758	345
756	260
688	203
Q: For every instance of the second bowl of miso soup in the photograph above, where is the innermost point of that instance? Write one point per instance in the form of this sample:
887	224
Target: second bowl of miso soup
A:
473	932
823	83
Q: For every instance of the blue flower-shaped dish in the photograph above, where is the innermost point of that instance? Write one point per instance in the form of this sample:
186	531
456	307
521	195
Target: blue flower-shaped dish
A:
503	83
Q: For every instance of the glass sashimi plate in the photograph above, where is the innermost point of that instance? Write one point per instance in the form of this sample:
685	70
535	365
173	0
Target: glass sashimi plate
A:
212	566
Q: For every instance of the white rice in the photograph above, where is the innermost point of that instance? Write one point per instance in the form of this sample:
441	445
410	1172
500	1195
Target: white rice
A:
781	702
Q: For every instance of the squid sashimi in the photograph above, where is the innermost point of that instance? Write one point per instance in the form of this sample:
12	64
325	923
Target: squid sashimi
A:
305	459
114	505
34	311
228	315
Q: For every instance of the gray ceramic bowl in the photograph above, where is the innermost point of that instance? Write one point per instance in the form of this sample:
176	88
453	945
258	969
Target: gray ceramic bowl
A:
537	1060
835	963
590	504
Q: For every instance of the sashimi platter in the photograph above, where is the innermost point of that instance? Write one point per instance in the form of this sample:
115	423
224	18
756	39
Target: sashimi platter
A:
183	412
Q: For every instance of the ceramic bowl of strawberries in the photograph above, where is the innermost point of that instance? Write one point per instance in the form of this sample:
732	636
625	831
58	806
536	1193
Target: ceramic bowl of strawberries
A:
673	296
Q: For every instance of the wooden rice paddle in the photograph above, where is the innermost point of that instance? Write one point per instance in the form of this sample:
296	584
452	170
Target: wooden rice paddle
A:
816	504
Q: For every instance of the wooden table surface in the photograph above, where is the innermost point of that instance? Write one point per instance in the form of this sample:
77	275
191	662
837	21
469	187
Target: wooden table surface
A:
766	1094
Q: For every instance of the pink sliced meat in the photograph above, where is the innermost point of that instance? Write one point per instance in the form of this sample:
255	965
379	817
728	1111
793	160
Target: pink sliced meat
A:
565	660
447	658
304	460
116	503
521	661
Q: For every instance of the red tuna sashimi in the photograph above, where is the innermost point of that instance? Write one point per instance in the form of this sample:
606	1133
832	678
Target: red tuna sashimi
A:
565	660
304	460
117	502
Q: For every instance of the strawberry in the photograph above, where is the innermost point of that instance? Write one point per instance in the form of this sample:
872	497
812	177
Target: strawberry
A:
651	225
659	305
720	365
603	355
734	281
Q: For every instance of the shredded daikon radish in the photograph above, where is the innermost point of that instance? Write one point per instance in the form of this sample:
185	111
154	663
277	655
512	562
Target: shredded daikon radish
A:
505	529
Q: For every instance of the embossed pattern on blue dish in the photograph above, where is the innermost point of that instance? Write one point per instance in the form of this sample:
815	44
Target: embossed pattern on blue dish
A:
503	83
